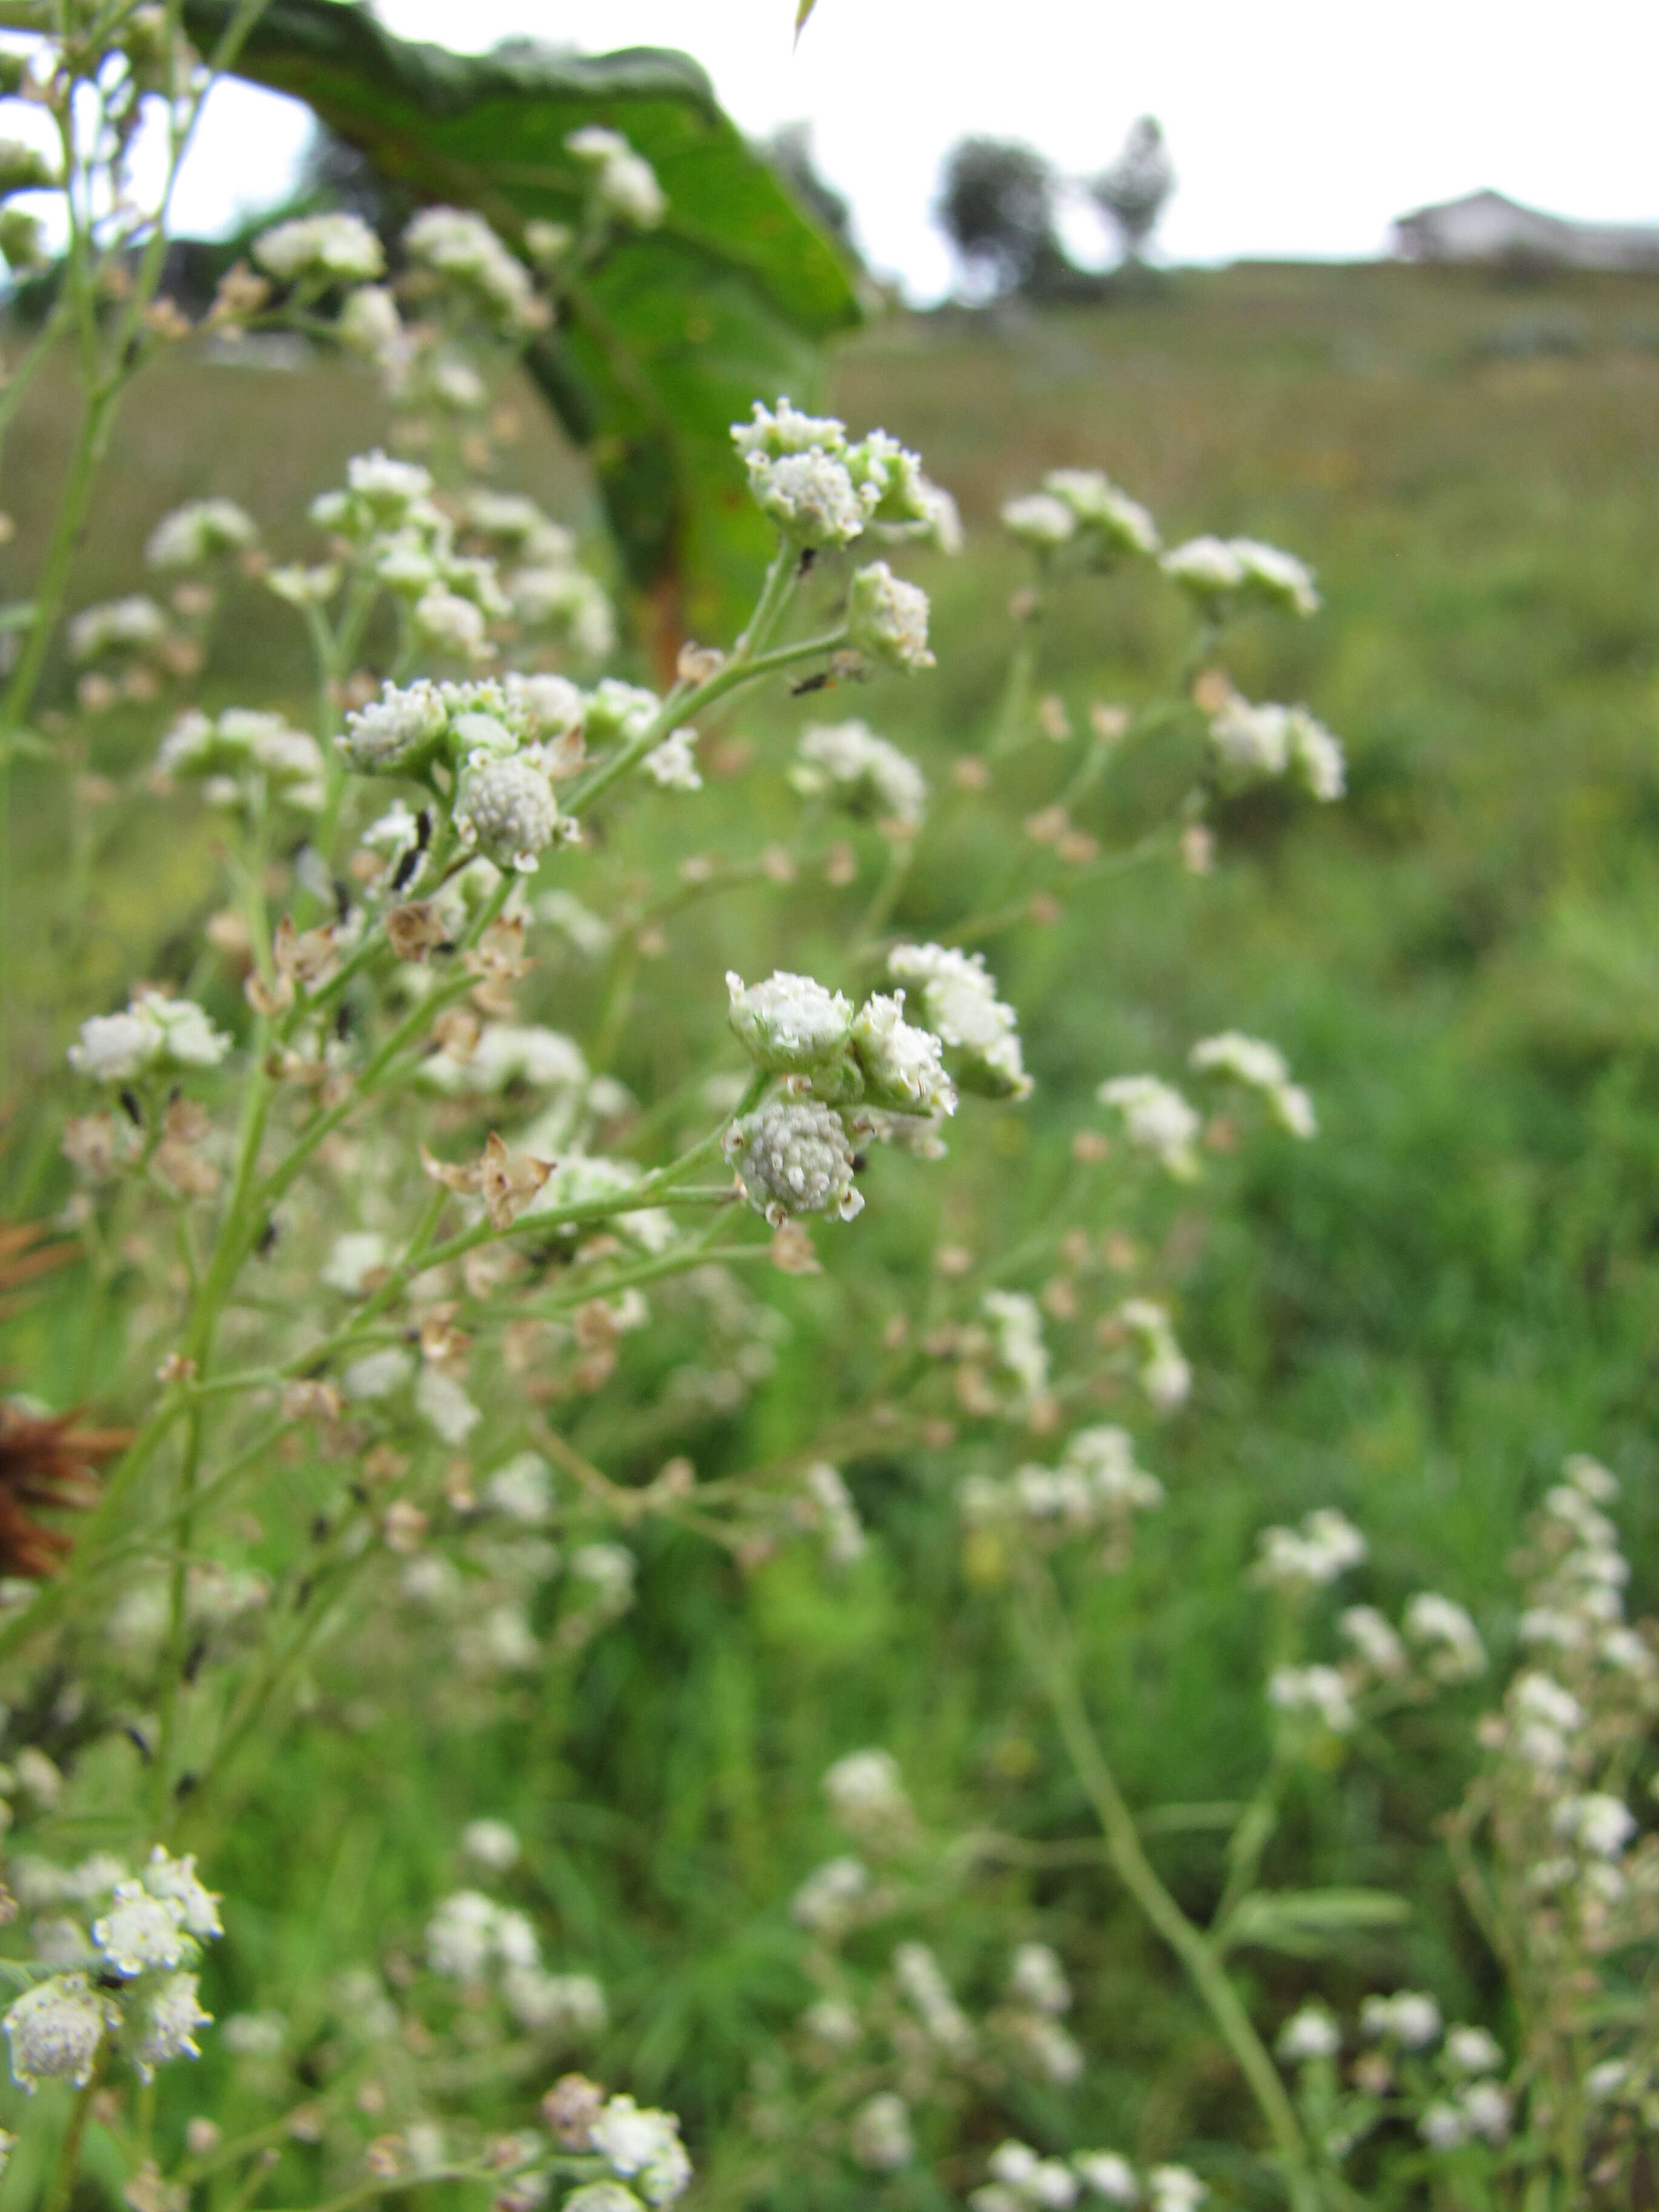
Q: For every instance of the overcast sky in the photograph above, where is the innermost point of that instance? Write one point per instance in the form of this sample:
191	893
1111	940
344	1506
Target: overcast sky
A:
1298	127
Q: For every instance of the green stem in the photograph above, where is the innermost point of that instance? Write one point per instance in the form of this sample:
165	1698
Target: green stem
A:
68	2165
1051	1661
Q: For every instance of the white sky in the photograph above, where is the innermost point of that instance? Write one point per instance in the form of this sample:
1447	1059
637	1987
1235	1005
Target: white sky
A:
1298	127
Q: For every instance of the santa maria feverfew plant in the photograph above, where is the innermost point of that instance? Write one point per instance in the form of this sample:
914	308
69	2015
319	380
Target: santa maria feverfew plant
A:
429	1306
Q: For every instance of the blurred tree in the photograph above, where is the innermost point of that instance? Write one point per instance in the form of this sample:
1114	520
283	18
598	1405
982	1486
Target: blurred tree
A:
789	149
997	203
1133	192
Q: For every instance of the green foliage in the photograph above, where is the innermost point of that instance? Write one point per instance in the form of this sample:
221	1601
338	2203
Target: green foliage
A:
669	340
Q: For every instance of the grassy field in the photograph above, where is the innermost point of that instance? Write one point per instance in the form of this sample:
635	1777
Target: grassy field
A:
1414	1318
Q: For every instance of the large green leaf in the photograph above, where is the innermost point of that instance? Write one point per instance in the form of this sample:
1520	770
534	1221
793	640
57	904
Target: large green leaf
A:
668	341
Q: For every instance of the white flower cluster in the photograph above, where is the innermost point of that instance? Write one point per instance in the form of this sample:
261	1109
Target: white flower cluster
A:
1259	1066
625	182
241	749
829	1898
472	1940
1082	509
1166	1374
136	1994
1023	2181
133	624
320	250
887	619
1221	572
920	1980
791	1024
959	1004
1319	1694
1269	740
866	1795
155	1036
193	533
822	490
865	773
1098	1482
1324	1548
459	246
1156	1119
1018	1348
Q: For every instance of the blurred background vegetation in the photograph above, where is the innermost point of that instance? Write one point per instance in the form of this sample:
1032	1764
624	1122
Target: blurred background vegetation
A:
1414	1318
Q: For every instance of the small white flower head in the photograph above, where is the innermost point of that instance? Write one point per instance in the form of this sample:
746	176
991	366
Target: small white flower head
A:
811	497
902	1065
1174	2188
1623	1648
1020	1352
881	2138
171	2018
1597	1822
1471	2050
837	1515
154	1034
442	1403
1040	520
1109	520
335	249
56	2031
1442	2126
1036	1978
129	625
867	1793
609	1569
789	1023
1209	570
1310	2034
176	1880
193	533
887	619
1541	1698
864	772
834	2025
1317	755
1166	1375
1409	2017
959	1004
775	432
644	2147
377	1374
1107	2174
140	1931
1374	1639
1259	1066
506	807
1277	579
1485	2108
451	624
1156	1119
396	731
1252	740
460	246
602	2196
1591	1479
831	1893
370	323
672	765
520	1489
1455	1651
625	182
917	1973
618	712
491	1845
794	1157
354	1260
568	2006
1318	1693
1104	1455
460	1936
1325	1547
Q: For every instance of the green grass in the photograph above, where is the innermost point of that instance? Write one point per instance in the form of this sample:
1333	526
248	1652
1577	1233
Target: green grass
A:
1414	1318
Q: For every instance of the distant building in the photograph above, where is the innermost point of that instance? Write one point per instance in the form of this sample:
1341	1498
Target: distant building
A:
1488	227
